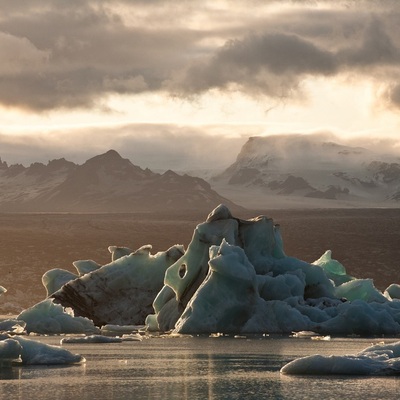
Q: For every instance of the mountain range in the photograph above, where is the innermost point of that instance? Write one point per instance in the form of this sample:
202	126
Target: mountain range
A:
314	170
282	171
104	183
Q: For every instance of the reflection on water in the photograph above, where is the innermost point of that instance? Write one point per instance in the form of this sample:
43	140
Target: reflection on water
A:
193	368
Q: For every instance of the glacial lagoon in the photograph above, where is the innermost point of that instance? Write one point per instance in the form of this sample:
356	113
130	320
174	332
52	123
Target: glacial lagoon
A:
198	367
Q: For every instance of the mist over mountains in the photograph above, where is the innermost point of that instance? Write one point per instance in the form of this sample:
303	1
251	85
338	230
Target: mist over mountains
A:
297	170
104	183
282	171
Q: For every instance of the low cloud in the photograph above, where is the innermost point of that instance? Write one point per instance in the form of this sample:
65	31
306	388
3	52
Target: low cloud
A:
158	147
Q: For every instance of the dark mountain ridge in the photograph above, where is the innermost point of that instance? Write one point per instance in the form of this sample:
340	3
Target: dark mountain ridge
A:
104	183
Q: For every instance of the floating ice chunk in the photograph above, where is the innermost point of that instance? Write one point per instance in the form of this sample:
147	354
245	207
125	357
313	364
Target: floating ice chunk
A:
359	317
85	266
111	329
2	290
121	292
167	309
224	301
360	289
10	351
319	337
333	268
132	337
392	291
220	212
303	334
118	252
49	318
36	353
374	360
55	278
258	238
91	339
12	326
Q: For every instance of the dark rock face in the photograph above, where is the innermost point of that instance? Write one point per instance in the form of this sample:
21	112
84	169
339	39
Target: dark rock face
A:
385	172
243	176
291	184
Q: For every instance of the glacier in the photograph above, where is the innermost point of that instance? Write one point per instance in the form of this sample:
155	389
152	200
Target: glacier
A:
233	278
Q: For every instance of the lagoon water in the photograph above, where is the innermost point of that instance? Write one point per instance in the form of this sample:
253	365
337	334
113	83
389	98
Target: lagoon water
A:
195	368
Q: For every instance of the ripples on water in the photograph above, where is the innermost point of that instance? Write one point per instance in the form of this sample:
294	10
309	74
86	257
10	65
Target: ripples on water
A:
194	368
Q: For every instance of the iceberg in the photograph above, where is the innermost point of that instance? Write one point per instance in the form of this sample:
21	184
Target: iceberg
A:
55	278
10	352
46	317
392	291
31	352
234	277
12	326
85	266
36	353
122	291
379	359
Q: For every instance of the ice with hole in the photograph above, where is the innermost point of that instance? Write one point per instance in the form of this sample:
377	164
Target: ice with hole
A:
234	277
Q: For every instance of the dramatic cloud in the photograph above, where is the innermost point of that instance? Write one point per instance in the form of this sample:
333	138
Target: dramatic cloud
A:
74	54
266	64
90	53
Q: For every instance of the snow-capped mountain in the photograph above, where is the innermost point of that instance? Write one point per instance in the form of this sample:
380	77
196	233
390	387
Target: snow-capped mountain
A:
309	170
105	183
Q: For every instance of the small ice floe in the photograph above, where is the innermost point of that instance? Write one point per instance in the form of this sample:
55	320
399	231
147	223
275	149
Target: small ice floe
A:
216	335
302	334
47	317
36	353
321	337
172	335
378	359
118	330
240	337
13	326
10	352
132	337
90	339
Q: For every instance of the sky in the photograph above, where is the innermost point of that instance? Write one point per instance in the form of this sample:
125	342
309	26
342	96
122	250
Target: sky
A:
183	84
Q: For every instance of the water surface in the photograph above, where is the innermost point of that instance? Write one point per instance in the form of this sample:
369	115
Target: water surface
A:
194	368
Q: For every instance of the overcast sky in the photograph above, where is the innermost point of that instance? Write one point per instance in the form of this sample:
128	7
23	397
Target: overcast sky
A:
184	83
